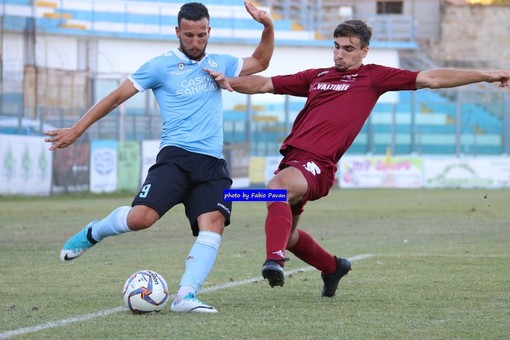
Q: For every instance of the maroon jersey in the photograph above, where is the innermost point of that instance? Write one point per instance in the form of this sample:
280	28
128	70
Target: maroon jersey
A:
338	105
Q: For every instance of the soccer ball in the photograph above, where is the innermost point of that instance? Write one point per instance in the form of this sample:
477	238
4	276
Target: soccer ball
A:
145	291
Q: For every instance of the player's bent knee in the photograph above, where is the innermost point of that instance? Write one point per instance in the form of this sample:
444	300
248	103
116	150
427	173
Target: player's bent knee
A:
212	221
141	217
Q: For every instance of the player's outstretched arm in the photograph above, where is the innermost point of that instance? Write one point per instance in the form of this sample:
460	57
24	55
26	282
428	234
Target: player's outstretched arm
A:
243	84
252	84
62	138
259	60
443	78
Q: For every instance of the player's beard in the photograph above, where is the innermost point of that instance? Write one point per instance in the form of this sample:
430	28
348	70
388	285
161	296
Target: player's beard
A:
192	53
340	66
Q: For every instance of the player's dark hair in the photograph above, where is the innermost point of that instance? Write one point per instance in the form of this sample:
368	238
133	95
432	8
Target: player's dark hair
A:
193	11
354	28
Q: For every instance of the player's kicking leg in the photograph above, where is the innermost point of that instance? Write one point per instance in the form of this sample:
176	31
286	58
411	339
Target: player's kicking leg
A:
115	223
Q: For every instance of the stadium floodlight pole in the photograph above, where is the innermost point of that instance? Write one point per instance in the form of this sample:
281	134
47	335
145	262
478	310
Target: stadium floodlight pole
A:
412	143
249	117
370	135
458	124
505	103
121	123
393	128
287	114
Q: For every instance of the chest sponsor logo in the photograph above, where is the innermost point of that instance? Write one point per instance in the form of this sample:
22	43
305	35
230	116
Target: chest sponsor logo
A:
330	87
196	85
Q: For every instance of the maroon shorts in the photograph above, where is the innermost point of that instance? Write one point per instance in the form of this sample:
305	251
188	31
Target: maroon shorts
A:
319	175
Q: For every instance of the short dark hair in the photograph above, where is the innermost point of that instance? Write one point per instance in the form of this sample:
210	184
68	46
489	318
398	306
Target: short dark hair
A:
193	11
354	28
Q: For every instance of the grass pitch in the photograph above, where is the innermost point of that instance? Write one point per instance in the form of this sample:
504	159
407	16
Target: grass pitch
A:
434	266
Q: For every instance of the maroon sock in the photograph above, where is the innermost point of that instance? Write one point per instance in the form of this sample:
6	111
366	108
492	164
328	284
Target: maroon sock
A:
308	250
278	227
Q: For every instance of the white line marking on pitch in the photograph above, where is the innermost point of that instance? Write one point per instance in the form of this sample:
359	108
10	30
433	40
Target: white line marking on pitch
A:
63	322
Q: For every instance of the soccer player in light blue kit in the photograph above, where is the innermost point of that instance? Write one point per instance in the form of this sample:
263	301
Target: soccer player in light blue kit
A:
189	167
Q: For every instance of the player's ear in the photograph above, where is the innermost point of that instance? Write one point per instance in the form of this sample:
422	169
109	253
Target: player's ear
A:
365	51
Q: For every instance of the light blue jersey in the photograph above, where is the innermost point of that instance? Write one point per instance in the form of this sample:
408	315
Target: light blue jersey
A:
189	99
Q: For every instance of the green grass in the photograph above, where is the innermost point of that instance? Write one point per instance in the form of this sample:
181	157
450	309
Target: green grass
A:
438	270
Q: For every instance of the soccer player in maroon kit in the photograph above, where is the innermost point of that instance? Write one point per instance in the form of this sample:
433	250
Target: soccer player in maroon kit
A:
339	100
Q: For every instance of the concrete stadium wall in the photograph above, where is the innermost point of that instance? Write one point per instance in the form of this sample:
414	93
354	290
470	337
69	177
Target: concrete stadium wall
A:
473	36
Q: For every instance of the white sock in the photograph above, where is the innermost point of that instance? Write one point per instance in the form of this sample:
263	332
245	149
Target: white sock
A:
199	262
113	224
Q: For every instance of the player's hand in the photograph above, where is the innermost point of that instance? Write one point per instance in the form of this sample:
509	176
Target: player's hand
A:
220	79
503	76
61	138
505	81
259	15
